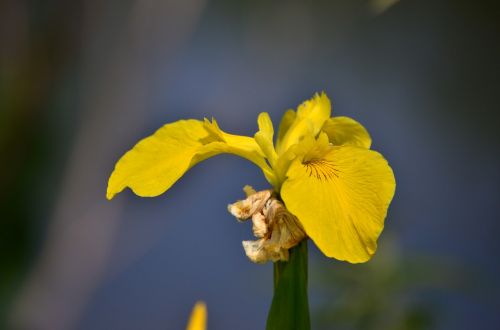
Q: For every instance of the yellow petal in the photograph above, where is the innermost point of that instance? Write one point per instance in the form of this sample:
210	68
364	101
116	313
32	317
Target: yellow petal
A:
345	130
154	164
307	147
243	146
311	115
281	167
265	124
341	199
198	319
286	122
264	137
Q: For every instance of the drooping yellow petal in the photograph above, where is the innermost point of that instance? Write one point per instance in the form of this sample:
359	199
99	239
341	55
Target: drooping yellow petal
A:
345	130
310	117
341	199
198	319
154	164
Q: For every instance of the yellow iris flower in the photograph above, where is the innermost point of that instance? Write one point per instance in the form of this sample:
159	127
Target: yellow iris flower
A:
321	167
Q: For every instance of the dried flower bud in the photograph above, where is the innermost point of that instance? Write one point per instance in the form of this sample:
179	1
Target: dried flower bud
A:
278	229
244	209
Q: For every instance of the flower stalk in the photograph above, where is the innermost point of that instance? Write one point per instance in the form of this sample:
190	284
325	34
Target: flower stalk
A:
281	239
290	305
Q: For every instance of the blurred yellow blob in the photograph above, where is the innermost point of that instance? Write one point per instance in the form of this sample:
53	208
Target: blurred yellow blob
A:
321	167
198	319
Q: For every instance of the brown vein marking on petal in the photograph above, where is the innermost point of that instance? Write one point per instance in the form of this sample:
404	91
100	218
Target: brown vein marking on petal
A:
321	169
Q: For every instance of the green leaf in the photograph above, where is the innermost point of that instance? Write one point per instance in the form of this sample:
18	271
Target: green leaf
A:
290	306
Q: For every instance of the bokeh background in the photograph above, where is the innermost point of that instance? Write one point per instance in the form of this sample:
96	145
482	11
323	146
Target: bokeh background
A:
81	81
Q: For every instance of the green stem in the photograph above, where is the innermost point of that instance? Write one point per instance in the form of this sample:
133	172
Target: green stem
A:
290	306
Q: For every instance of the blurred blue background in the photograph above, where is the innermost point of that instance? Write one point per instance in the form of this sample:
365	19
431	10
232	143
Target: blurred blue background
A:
81	81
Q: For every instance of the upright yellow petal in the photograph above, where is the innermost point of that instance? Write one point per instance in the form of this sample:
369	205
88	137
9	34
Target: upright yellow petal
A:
264	137
341	199
345	130
317	109
198	319
286	121
154	164
310	117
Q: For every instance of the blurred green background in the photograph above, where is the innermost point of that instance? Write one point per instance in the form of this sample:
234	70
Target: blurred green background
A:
81	81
